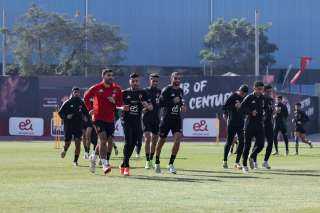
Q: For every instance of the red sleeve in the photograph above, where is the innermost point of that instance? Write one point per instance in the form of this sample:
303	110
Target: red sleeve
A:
119	98
89	94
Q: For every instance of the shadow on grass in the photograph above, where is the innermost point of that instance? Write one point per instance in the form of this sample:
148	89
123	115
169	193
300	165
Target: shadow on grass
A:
272	171
173	179
309	156
305	173
229	171
143	158
230	177
296	170
83	166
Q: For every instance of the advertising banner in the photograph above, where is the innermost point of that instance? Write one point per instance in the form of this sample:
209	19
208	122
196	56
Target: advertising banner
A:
200	127
26	126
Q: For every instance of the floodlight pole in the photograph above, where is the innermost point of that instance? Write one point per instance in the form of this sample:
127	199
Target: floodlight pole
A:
4	43
256	43
86	39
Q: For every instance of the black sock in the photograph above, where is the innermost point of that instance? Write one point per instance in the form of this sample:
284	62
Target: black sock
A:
151	156
172	158
157	159
76	157
147	156
108	155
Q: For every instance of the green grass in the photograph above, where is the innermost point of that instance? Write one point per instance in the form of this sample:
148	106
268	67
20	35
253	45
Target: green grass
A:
34	179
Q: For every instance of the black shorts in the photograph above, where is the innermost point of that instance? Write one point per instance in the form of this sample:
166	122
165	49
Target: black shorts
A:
151	126
172	124
72	132
300	129
106	127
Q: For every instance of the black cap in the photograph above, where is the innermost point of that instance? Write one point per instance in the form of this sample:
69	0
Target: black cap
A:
279	97
258	84
134	75
298	104
244	88
75	89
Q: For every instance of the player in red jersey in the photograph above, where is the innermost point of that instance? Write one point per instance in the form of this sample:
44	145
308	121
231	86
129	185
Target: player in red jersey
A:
106	96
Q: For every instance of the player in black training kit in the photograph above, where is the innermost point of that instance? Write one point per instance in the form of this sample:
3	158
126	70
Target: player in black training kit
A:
235	124
151	120
73	112
134	100
254	106
299	120
268	123
280	125
172	105
87	136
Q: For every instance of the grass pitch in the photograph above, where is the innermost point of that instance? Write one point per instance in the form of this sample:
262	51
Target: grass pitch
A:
34	179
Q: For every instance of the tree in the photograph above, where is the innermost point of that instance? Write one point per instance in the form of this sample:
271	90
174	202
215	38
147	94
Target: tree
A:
104	48
42	40
229	46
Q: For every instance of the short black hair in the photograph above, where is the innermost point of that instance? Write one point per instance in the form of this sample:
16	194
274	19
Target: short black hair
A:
75	89
279	97
154	75
134	75
298	104
268	86
106	70
175	73
258	84
244	88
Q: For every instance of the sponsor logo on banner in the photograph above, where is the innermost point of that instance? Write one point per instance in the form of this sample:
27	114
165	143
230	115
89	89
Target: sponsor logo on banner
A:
200	127
118	129
26	126
56	130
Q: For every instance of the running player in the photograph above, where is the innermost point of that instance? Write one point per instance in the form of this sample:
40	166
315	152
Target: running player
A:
87	133
72	112
268	123
281	116
106	96
172	105
235	120
151	120
135	100
254	106
94	141
299	120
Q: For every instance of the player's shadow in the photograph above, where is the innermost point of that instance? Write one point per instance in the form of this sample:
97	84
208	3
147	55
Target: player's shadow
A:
210	171
173	179
297	170
83	166
305	173
310	156
143	158
229	177
231	174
